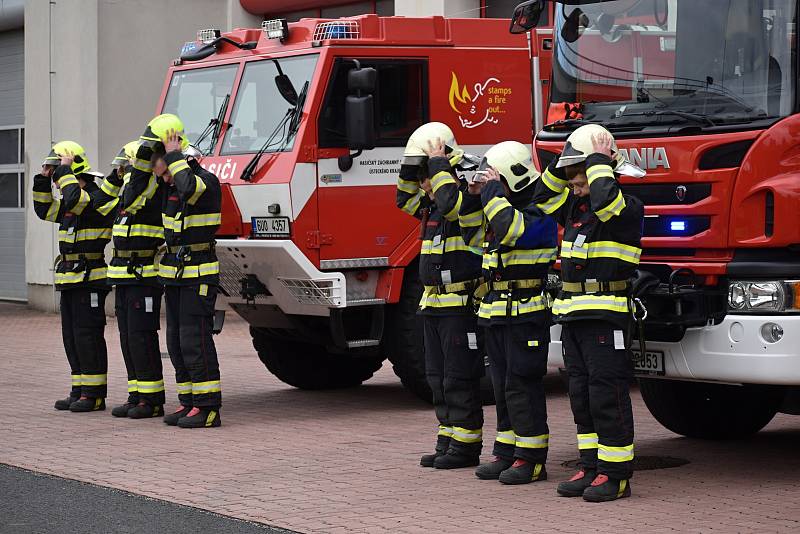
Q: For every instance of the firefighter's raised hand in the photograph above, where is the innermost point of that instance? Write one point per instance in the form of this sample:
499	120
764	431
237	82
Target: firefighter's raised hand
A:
602	143
492	175
173	142
67	158
435	148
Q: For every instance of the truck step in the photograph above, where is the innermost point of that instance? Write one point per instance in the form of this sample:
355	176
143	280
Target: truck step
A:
358	343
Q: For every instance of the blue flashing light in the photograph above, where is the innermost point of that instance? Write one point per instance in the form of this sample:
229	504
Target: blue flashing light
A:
677	226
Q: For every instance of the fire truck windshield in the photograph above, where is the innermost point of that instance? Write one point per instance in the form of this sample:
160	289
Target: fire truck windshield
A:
263	102
652	62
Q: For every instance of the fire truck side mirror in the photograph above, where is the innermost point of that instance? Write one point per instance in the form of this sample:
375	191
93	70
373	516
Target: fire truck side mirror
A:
360	108
526	15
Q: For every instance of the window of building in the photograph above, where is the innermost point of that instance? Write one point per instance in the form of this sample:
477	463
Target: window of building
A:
503	9
400	101
12	170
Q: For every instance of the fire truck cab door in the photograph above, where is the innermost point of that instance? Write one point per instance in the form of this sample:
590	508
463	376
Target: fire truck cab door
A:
359	223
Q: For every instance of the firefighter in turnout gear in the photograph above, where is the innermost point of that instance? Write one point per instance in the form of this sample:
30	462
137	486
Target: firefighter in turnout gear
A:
189	270
519	246
80	273
429	189
599	254
134	196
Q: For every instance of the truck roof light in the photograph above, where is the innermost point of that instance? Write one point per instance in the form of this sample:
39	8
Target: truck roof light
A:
337	29
276	29
207	36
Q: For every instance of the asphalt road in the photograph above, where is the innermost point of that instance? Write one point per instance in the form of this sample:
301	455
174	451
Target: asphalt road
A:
34	503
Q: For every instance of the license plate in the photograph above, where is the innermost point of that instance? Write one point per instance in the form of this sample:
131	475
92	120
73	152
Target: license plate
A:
652	363
270	227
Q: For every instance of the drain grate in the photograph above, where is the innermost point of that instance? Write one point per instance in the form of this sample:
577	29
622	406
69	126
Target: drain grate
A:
645	463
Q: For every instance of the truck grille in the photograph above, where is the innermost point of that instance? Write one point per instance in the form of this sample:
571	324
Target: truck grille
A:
337	29
316	292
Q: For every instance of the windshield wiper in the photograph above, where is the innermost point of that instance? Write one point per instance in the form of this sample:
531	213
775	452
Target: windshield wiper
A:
247	173
568	123
696	117
214	127
297	112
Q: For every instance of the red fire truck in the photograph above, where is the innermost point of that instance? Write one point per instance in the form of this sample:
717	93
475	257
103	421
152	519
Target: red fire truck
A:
702	94
305	124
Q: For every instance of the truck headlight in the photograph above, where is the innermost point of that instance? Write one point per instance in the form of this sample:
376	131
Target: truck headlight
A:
764	296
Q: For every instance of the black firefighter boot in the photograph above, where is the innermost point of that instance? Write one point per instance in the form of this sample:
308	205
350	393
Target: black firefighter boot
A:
63	404
144	410
442	443
575	486
491	470
605	489
205	417
523	472
173	418
88	404
122	409
459	455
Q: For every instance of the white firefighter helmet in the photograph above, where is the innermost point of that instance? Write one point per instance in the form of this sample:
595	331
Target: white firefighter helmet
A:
513	161
414	153
579	146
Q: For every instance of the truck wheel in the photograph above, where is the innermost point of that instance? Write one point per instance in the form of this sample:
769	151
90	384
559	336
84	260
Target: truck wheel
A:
710	411
403	341
310	366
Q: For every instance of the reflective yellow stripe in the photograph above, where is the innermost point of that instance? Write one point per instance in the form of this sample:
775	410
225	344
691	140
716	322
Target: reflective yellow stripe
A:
146	230
599	171
451	244
106	208
67	179
440	179
93	380
83	201
144	196
76	380
407	186
86	234
184	387
533	442
528	256
507	437
590	302
203	219
412	204
615	454
622	485
445	300
515	230
466	435
52	211
121	272
212	386
452	215
555	184
177	166
471	220
490	260
551	205
154	386
495	206
132	386
445	431
199	188
109	189
613	209
498	308
143	165
587	441
602	249
78	277
189	271
43	198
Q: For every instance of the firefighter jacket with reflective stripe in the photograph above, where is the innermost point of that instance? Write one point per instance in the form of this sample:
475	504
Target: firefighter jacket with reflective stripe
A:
83	232
519	245
448	268
135	201
602	239
191	216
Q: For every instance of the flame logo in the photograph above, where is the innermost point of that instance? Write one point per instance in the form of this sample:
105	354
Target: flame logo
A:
458	93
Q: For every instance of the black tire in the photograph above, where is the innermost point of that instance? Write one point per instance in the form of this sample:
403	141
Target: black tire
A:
710	411
310	366
403	341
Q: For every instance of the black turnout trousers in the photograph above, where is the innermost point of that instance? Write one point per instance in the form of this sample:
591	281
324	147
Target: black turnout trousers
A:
83	322
138	309
454	367
599	392
190	323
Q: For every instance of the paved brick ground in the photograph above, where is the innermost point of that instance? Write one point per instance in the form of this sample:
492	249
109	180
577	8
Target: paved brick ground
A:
346	461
